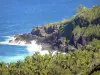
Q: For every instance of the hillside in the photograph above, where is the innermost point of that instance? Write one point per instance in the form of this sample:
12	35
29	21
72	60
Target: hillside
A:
74	33
78	37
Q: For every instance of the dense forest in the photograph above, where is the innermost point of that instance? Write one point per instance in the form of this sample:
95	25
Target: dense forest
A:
82	38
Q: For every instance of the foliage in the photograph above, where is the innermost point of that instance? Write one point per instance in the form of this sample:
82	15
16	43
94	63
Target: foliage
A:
85	17
80	62
91	30
90	13
81	9
77	63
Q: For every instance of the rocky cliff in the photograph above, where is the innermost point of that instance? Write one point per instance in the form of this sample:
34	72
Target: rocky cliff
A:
66	35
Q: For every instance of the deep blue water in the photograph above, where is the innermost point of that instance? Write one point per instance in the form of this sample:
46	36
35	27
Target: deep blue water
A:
20	16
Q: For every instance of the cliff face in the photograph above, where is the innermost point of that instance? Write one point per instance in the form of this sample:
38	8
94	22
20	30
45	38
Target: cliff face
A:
50	35
67	34
44	31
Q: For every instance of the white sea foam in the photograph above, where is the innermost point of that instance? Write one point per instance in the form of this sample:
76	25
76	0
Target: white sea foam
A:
31	48
6	41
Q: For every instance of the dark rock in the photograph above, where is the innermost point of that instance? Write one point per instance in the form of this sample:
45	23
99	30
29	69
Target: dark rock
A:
23	37
53	28
77	40
39	31
83	22
50	29
10	41
68	30
81	40
96	21
74	39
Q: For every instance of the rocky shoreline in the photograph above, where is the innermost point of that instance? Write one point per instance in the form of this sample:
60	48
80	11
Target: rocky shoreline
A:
66	35
49	38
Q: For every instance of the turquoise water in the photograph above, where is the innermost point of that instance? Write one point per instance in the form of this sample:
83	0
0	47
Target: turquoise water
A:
20	16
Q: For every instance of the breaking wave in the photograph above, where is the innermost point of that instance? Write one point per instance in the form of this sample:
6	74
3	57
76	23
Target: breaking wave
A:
31	48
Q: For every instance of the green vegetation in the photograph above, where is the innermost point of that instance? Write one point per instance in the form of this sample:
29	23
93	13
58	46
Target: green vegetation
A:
80	22
85	61
88	13
88	31
81	62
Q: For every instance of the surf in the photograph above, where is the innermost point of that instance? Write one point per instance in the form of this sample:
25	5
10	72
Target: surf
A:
31	48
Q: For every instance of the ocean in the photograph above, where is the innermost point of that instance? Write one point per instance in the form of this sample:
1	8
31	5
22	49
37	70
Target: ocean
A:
20	16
